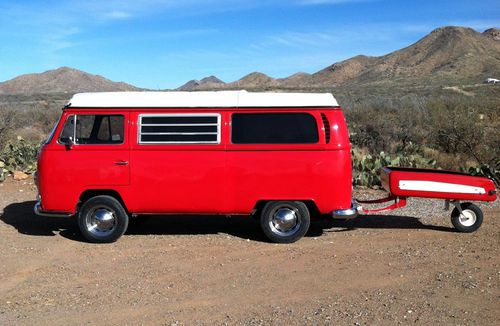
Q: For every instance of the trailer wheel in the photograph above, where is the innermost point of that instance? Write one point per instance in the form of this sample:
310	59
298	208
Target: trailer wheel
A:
470	220
285	221
102	219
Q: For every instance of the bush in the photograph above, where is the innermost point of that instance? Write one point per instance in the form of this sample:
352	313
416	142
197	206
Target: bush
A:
459	133
490	171
7	123
18	156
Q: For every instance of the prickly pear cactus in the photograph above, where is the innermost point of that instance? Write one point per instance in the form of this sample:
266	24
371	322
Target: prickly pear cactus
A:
18	156
366	167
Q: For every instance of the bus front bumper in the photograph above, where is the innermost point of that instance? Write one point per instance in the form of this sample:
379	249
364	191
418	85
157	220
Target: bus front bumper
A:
38	211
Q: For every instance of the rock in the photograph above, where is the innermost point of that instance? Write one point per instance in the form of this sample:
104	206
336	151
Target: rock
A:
19	175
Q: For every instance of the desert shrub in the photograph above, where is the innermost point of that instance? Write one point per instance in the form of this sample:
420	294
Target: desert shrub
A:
460	133
24	121
490	171
7	123
470	132
3	171
31	116
385	129
18	156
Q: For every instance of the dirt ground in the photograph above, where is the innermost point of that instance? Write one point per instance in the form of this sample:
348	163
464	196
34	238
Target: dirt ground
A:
196	270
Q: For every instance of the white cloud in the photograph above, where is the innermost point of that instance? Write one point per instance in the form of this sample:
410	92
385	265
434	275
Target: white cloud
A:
335	37
298	39
59	40
133	8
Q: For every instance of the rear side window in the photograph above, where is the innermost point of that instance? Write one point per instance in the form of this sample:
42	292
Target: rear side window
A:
273	128
179	128
93	129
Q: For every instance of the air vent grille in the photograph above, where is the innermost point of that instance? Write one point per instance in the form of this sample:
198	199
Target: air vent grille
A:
326	126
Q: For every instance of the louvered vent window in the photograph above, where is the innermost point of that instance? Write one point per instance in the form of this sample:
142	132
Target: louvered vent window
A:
326	126
179	128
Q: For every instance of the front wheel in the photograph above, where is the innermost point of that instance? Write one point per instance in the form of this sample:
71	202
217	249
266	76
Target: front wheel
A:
102	219
285	221
469	220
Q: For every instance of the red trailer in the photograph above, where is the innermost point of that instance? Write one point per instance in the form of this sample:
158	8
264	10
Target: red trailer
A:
453	187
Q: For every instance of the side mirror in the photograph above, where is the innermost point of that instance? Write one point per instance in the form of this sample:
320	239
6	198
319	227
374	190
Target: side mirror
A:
68	143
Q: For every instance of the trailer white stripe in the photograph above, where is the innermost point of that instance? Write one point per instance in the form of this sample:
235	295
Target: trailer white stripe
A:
433	186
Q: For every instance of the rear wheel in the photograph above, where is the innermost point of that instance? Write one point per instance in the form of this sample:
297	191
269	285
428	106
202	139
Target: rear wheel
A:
469	220
285	221
102	219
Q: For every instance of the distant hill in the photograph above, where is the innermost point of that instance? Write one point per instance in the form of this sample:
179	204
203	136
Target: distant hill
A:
254	80
61	80
456	54
493	33
295	80
211	82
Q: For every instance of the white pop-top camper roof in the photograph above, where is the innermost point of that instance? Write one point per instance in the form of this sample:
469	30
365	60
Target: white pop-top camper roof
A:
229	99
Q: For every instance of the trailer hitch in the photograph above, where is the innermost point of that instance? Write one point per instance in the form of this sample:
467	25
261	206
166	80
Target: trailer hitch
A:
398	203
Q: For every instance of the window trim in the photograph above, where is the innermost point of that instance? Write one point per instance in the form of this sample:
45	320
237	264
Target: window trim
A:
274	144
68	117
74	117
161	115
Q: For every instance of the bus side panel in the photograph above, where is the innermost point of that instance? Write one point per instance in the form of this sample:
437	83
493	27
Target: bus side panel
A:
176	178
321	176
168	181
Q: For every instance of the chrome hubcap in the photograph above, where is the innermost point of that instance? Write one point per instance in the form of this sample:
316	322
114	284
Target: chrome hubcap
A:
467	218
101	221
284	221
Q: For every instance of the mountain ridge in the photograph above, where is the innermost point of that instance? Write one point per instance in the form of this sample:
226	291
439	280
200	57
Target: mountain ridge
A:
454	52
450	53
61	80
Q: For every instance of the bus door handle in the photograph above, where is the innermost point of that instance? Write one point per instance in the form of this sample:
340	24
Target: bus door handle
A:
121	162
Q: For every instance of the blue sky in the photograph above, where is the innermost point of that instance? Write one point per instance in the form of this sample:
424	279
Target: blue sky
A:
161	44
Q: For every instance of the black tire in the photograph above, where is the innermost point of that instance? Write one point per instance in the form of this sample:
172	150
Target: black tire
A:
285	221
102	219
470	220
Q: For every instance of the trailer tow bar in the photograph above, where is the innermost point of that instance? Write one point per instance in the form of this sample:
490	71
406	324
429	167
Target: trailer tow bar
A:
398	203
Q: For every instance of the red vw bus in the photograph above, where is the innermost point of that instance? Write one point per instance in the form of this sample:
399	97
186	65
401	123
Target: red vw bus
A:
282	156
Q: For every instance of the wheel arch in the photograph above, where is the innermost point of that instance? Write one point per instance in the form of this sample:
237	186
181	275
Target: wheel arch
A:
89	193
311	206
